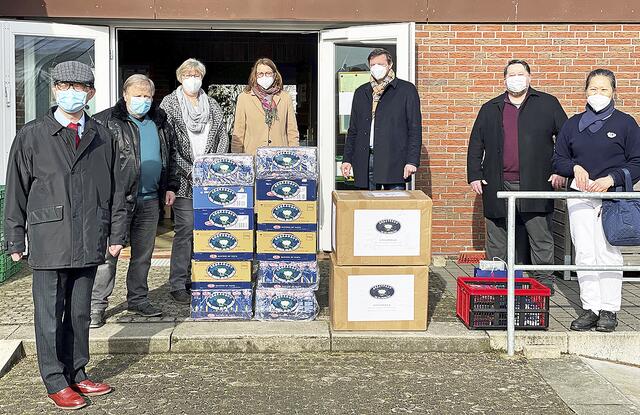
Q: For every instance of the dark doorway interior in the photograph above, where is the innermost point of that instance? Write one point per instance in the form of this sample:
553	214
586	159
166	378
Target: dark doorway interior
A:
229	57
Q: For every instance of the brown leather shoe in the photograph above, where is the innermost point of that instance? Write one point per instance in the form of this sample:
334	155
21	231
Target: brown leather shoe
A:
67	398
89	388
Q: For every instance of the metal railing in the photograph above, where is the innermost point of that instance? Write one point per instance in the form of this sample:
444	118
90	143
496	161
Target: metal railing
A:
511	247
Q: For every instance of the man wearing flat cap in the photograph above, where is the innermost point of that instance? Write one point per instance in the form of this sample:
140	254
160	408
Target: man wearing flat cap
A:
65	196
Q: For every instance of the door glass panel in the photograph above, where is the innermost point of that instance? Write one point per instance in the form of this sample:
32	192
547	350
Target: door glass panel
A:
35	57
352	70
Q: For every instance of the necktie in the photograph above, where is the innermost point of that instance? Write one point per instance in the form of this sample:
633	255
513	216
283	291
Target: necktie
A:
74	126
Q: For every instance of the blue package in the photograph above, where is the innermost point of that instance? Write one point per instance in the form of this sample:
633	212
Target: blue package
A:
222	304
223	256
223	170
286	257
287	163
288	227
275	189
286	304
214	219
212	197
283	274
477	272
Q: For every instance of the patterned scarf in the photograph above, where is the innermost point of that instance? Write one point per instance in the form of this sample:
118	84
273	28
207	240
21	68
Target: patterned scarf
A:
266	99
378	89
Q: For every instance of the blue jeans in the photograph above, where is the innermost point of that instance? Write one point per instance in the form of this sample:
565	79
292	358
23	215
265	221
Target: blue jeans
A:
382	186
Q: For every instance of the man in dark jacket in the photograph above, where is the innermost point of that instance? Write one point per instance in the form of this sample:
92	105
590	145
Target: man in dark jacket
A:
382	148
510	148
64	192
148	159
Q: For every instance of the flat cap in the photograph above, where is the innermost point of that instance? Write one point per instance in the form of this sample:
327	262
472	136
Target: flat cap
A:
72	71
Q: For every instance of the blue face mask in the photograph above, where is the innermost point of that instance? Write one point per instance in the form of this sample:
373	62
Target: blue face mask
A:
71	101
139	106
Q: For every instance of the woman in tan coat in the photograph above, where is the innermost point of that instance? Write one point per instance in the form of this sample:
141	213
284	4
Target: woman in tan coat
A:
264	112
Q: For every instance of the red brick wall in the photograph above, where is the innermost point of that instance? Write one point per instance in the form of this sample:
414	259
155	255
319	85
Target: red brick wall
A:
459	67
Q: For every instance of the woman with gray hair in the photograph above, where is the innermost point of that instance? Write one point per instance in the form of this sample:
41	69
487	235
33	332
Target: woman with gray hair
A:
199	127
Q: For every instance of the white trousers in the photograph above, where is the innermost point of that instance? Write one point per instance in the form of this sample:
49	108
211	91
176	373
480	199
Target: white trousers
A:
599	290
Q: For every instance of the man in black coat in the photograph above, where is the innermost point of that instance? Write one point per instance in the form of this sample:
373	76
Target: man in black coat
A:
63	191
510	148
148	163
382	148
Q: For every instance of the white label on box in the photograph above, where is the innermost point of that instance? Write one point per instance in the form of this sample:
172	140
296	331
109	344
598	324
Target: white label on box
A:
242	223
240	202
380	297
390	194
333	227
386	232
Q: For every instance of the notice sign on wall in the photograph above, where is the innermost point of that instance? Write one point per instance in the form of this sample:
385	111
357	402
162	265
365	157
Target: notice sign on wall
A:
380	297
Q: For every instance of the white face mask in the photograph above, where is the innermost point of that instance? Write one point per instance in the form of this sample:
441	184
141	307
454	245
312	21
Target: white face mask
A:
265	82
517	84
598	102
192	84
378	71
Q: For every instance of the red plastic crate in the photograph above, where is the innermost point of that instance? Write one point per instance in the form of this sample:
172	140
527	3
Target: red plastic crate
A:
482	303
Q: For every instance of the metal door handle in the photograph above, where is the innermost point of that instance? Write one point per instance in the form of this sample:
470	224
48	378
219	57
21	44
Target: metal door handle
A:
7	94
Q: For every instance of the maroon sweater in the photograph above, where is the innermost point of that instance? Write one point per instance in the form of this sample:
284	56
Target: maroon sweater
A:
510	156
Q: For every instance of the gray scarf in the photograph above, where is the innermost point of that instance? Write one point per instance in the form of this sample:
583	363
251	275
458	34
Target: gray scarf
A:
194	118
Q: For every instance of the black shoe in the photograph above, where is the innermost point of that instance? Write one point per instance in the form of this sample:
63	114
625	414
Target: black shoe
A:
547	281
608	321
181	296
587	320
97	319
145	310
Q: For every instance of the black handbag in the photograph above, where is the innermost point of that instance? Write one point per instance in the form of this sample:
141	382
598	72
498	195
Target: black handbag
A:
621	217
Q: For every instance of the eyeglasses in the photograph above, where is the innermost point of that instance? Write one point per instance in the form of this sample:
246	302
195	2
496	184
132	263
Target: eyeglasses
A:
80	87
261	74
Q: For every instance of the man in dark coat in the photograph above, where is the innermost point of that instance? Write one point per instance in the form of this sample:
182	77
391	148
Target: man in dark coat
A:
63	191
510	148
382	148
148	163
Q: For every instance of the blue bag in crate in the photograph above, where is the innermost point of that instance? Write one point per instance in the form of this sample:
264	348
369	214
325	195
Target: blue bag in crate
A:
286	304
223	170
494	273
286	163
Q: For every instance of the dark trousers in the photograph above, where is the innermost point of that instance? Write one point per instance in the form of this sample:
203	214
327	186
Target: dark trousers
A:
182	248
382	186
534	228
62	303
142	234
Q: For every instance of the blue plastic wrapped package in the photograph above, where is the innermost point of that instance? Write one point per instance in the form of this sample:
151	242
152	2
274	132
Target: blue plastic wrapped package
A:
288	274
223	170
287	163
222	303
292	304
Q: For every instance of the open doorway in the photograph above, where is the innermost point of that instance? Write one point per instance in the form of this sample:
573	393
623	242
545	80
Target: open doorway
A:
228	57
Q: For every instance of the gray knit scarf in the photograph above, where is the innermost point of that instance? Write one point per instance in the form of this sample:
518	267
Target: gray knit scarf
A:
194	118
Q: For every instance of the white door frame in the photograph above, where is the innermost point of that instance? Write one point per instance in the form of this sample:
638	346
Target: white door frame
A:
9	29
400	34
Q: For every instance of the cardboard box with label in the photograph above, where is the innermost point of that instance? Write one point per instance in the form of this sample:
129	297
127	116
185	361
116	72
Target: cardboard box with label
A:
220	271
381	227
222	197
223	245
287	216
378	298
294	246
220	219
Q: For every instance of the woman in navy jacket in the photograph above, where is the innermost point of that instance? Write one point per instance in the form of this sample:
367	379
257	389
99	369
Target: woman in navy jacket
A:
594	147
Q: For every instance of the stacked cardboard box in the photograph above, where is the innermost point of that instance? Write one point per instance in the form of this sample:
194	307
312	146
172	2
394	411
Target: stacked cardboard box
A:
381	251
286	205
223	237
